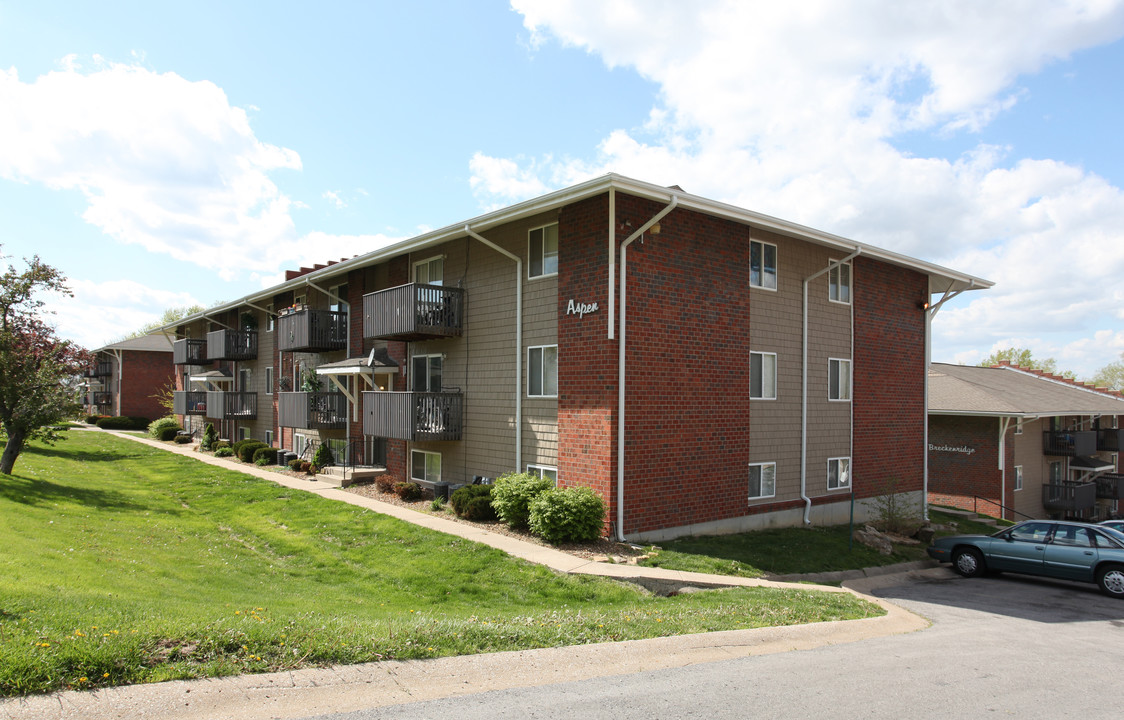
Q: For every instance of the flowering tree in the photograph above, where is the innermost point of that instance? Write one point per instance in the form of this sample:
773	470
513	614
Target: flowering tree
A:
37	369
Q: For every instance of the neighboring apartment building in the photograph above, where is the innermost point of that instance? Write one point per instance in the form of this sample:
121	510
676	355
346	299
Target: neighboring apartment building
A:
1017	443
127	377
704	368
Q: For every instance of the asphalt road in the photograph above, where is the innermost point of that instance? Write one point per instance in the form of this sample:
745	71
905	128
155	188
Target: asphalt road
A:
998	647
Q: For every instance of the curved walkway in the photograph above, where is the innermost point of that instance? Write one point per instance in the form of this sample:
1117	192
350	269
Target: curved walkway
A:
303	693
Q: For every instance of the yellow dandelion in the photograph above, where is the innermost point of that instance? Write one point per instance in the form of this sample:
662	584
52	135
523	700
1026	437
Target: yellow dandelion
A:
105	675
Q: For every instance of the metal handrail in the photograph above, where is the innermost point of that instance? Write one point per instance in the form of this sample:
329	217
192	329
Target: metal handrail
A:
992	502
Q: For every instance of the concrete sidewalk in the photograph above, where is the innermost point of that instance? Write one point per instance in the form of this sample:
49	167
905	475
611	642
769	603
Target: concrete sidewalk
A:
342	689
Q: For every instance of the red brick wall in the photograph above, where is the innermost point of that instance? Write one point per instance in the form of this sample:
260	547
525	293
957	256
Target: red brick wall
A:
398	273
954	477
889	377
145	373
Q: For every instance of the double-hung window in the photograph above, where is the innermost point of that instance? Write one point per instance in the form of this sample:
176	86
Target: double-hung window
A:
838	473
838	379
542	251
425	466
762	480
762	265
542	371
839	283
762	376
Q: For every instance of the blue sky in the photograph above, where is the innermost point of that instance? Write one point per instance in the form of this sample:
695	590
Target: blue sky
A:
170	154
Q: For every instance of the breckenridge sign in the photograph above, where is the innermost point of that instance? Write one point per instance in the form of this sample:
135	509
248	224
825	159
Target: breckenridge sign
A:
580	309
952	448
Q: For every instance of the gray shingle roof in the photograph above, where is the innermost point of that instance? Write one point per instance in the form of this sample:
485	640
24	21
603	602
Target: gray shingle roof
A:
970	390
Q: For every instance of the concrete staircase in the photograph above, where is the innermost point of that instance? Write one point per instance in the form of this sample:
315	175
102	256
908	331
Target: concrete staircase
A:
342	477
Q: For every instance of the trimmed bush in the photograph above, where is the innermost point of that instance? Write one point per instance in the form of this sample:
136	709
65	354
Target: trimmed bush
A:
156	428
568	515
473	502
224	452
408	491
210	437
295	464
220	444
248	448
323	457
385	483
169	433
265	455
513	493
182	439
123	423
93	419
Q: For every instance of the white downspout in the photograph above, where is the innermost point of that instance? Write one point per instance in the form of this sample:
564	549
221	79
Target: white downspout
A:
621	359
518	342
612	260
804	387
1004	423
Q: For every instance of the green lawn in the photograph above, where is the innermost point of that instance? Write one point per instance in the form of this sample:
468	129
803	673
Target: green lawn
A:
123	563
790	550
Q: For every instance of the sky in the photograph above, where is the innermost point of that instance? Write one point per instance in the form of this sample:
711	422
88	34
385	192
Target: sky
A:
168	154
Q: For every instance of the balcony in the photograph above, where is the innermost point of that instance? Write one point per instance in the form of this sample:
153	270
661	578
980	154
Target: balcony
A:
102	368
312	410
1069	443
312	331
1110	487
417	416
189	352
1069	497
190	402
99	398
1110	440
232	345
225	405
413	312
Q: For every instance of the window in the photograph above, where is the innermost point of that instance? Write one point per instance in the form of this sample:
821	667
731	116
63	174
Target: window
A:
300	445
1032	532
269	380
839	283
1018	477
838	473
338	291
298	299
1018	426
244	379
763	376
542	251
426	373
762	480
762	265
542	371
430	272
544	471
1055	472
243	433
838	379
425	466
269	438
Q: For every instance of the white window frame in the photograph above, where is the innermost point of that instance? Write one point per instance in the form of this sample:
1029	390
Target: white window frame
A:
837	285
1018	477
300	443
428	261
343	304
270	388
428	373
1018	426
301	300
428	454
842	468
545	471
762	281
269	438
543	256
761	468
542	366
842	382
767	393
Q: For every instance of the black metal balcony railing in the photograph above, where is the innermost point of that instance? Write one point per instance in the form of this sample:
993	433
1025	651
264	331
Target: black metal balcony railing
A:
232	345
418	416
99	398
189	352
1110	487
1110	440
413	312
1069	497
312	410
1069	443
225	405
189	402
102	368
312	331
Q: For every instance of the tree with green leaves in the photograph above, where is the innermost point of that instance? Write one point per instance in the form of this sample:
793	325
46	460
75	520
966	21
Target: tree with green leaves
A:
1111	376
1024	358
37	369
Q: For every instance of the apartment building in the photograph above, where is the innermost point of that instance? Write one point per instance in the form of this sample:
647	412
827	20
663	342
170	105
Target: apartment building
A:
705	368
1016	443
126	378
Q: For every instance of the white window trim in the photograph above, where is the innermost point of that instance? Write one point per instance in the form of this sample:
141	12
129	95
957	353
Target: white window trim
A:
529	258
1018	426
849	483
541	367
428	260
426	356
269	384
763	465
777	272
1018	477
774	388
269	438
850	387
540	470
424	452
834	270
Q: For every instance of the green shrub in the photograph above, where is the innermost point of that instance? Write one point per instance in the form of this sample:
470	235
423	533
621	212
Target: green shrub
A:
568	515
210	437
323	457
182	439
265	455
156	428
408	491
220	444
262	461
306	466
385	483
224	452
247	448
295	464
123	423
168	433
513	493
93	419
473	502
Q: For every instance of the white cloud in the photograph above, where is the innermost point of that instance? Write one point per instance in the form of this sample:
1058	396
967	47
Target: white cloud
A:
335	199
102	312
794	109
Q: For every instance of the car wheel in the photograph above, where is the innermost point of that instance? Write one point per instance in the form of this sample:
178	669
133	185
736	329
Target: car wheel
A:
1111	580
968	562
